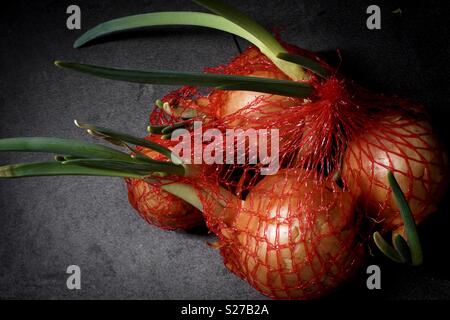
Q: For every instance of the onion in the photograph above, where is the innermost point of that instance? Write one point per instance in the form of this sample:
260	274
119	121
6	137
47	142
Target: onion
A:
409	149
159	207
255	64
262	102
293	238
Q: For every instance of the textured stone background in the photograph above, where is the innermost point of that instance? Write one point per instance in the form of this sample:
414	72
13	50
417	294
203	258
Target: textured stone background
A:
47	224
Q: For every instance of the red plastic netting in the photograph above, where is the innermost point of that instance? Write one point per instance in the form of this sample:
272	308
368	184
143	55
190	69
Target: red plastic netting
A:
297	234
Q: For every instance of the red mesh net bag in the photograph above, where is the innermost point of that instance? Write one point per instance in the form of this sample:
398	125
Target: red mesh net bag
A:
297	234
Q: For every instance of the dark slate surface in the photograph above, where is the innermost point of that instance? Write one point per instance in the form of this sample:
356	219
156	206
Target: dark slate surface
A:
47	224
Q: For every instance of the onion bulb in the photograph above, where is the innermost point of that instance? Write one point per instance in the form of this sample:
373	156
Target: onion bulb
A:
409	149
293	238
159	207
255	64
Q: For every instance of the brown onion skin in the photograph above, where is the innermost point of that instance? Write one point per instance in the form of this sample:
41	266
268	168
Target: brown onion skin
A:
407	147
293	239
159	207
